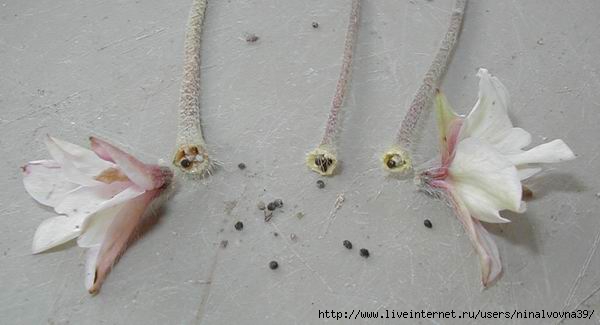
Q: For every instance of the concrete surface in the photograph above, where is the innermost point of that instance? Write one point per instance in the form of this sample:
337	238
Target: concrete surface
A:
111	68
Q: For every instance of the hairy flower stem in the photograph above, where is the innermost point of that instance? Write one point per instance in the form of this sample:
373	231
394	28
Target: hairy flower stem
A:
323	159
191	156
398	158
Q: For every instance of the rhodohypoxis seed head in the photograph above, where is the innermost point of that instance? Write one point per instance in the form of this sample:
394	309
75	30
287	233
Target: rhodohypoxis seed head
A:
397	161
192	159
322	161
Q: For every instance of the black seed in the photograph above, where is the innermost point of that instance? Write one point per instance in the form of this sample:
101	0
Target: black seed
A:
273	265
185	163
276	234
320	184
242	166
323	162
427	223
278	203
347	244
364	252
251	38
271	206
315	24
391	164
239	226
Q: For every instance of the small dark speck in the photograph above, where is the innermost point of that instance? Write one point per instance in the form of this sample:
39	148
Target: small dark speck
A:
347	244
239	226
242	166
320	184
251	38
315	24
224	243
427	223
276	234
273	265
278	203
271	206
364	252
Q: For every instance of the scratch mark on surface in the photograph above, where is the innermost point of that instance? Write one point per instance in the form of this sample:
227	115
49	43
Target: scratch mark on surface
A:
56	105
339	201
582	272
209	282
150	34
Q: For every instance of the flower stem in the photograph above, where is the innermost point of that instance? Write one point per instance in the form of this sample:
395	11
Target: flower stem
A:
323	159
398	158
191	156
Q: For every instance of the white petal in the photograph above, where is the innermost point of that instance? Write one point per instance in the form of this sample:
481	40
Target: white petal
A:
91	258
55	231
511	141
489	258
141	174
45	182
526	172
96	227
84	159
551	152
67	163
85	201
118	236
489	117
485	180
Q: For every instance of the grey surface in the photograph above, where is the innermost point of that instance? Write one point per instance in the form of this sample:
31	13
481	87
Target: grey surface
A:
112	68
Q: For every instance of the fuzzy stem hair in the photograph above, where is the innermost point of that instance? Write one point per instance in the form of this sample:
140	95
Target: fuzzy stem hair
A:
323	159
399	158
191	156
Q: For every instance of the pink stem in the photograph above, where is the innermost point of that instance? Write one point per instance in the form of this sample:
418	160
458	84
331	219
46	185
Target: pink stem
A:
340	90
424	96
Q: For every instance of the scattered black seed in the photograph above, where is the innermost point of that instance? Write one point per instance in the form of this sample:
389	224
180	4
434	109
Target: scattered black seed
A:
239	226
315	24
276	234
242	166
278	203
224	243
251	38
271	206
348	244
273	265
185	163
364	252
260	205
427	223
320	184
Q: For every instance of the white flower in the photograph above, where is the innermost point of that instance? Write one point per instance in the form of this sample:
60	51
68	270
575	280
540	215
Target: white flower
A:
101	197
483	163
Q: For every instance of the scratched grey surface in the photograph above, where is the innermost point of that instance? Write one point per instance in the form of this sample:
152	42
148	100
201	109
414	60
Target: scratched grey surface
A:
112	68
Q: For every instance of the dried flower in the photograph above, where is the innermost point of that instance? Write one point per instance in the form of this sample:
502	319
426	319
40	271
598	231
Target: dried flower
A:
482	165
101	197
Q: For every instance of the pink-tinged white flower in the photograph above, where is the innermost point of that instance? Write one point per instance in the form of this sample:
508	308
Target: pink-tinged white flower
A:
482	165
101	197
